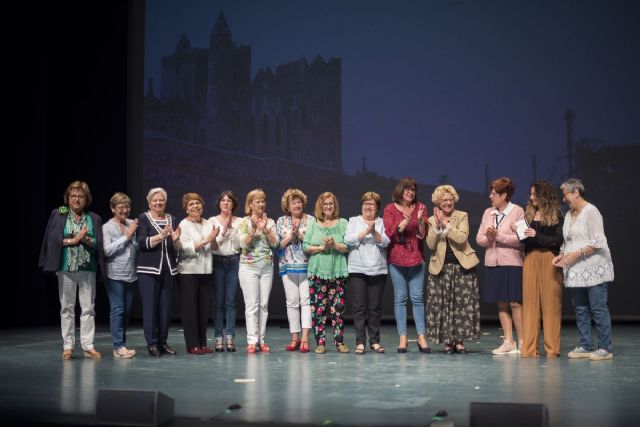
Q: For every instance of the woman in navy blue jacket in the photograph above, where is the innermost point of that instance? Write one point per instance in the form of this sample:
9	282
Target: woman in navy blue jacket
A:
158	242
72	248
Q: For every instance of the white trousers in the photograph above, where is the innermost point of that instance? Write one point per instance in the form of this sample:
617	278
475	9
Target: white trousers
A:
296	290
255	282
84	283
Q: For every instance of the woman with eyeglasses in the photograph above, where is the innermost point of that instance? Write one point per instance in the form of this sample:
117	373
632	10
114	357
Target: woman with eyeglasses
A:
368	243
327	271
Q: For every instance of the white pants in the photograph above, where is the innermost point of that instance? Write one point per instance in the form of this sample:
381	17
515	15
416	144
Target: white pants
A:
83	282
255	282
296	289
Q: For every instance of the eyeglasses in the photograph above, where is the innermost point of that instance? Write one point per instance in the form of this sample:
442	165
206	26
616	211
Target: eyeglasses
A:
368	203
77	196
328	204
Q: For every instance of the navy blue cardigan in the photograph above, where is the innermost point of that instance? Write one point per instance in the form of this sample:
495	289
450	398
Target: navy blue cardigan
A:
150	258
51	249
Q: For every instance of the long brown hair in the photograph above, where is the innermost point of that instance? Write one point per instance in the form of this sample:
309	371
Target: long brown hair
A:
548	204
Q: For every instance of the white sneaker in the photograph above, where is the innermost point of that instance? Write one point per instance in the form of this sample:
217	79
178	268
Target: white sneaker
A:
579	353
601	354
507	347
124	353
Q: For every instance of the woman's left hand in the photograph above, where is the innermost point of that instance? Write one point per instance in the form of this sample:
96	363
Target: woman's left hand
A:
530	232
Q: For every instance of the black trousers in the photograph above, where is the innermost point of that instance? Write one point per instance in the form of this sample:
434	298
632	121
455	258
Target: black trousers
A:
196	293
156	293
366	299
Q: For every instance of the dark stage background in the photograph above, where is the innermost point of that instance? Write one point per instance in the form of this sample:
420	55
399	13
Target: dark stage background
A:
81	115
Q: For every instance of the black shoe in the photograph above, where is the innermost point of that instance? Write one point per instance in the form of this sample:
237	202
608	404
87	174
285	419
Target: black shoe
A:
459	348
153	351
424	349
165	349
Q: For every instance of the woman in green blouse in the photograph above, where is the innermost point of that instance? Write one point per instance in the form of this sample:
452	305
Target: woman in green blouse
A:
327	270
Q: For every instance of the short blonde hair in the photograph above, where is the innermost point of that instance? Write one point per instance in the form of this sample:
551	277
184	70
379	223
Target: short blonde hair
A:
288	196
441	190
320	201
119	199
189	197
371	195
256	193
153	191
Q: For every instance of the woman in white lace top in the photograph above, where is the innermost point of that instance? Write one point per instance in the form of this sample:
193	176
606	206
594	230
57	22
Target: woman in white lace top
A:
588	270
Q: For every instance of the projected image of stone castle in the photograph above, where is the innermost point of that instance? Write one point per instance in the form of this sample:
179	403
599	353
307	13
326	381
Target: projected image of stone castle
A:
207	97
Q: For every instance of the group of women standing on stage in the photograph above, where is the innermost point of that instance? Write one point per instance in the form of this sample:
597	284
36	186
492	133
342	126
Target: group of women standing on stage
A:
323	255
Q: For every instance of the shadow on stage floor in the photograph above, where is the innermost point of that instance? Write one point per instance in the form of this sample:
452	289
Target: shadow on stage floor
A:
279	388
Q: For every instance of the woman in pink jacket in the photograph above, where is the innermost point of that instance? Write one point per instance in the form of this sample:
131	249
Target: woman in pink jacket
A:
503	260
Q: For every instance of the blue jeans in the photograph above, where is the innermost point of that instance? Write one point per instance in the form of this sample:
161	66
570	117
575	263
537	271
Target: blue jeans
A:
225	281
120	295
408	282
591	303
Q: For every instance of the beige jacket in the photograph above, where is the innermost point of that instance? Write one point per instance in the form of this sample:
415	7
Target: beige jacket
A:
458	237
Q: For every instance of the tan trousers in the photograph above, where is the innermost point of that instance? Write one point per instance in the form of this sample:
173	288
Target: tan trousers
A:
541	295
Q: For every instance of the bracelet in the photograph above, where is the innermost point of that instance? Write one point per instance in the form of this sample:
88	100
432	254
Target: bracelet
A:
582	252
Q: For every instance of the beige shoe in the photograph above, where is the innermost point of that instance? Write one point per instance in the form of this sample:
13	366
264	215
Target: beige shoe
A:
342	347
320	349
66	354
507	347
124	353
93	354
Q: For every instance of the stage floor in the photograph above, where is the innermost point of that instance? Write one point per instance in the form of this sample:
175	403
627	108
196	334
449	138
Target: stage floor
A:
388	389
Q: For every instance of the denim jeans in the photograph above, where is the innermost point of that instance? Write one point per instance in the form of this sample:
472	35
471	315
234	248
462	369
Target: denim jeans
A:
120	295
225	276
408	282
591	303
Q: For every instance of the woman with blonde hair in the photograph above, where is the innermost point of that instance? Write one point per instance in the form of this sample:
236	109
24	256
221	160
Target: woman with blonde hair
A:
291	228
541	280
327	271
453	302
257	235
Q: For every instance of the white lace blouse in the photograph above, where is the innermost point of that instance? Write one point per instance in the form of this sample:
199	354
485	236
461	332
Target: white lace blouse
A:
587	229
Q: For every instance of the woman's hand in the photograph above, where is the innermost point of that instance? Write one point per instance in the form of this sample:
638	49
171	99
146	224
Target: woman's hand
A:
131	229
530	232
491	232
558	260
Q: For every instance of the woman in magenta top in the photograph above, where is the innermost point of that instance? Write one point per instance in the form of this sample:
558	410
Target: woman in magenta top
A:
503	260
405	225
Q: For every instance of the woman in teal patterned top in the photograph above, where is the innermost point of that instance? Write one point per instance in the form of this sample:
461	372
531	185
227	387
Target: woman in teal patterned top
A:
327	270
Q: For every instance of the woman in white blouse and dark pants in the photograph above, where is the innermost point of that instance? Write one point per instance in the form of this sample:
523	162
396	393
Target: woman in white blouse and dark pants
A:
588	271
196	273
367	265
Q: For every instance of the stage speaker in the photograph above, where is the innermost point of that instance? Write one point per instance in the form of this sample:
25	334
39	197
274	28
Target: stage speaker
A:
490	414
133	407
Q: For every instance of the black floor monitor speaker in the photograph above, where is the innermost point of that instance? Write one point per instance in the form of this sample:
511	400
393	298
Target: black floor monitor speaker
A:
490	414
133	407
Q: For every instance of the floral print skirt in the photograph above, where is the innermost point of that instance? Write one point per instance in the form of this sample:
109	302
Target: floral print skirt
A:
453	305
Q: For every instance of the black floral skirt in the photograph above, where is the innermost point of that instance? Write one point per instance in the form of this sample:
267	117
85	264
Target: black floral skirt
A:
453	305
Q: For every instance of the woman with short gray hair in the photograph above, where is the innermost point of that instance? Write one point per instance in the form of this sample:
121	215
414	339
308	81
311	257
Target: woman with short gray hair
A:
588	271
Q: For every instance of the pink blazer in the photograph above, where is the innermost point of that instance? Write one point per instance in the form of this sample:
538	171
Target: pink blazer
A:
505	249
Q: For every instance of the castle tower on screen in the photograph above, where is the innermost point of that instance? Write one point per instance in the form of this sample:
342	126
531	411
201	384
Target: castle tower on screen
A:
208	97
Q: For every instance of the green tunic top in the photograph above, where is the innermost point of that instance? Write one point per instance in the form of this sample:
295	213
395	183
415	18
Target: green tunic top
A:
332	263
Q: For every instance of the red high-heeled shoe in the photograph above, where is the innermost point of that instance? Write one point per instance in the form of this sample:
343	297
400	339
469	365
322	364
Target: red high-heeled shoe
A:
304	346
294	347
264	348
